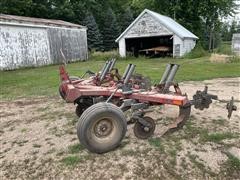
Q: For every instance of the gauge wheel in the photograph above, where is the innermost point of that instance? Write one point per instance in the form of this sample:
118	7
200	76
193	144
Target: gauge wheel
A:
144	132
101	127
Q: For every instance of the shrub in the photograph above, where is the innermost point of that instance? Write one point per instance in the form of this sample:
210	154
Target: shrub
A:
197	52
224	48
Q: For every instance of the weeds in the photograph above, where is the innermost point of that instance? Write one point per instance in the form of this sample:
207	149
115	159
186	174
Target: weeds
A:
233	162
156	143
23	130
235	59
217	137
71	160
232	166
76	148
197	52
36	145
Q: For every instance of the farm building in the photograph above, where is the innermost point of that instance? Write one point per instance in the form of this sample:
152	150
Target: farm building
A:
236	44
154	34
26	41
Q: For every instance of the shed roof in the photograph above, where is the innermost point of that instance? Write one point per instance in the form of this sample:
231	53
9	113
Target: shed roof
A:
38	21
168	22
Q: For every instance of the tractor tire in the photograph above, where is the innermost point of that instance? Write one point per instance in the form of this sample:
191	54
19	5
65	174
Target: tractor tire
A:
101	127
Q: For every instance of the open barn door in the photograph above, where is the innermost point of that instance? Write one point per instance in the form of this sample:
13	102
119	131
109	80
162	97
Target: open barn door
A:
159	46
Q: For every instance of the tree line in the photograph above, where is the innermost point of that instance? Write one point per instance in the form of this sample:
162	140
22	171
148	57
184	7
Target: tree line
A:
107	19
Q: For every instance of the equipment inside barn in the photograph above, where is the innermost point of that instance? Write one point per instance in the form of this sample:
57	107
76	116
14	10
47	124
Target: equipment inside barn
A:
150	32
151	46
102	99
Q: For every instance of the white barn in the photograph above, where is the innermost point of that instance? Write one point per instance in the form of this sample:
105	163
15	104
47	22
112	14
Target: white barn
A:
153	30
236	44
28	42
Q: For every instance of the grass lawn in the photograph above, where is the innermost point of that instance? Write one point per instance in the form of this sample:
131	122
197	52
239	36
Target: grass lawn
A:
45	80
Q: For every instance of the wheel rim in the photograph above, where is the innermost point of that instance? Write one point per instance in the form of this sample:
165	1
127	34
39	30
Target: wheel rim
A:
143	132
103	128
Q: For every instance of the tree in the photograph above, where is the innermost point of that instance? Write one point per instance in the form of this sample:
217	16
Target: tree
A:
233	27
110	30
94	36
126	19
225	32
211	11
203	17
41	9
15	7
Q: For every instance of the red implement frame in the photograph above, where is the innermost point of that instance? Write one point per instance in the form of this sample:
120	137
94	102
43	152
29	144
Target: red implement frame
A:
74	90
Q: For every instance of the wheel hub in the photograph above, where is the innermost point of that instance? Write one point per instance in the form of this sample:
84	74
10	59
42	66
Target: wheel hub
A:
142	131
103	128
146	129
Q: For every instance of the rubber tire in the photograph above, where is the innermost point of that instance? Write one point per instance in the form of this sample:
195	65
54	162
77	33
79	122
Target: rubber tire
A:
92	115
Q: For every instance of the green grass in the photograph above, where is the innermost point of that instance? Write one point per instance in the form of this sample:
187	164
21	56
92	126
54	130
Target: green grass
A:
217	137
157	144
233	162
231	167
71	160
76	148
44	81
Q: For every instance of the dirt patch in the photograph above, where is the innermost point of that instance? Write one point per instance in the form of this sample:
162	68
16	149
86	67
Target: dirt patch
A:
38	140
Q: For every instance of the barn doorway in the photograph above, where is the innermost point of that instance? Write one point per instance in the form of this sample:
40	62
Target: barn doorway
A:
158	46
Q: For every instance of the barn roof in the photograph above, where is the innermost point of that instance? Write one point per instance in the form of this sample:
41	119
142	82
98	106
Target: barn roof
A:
168	22
38	21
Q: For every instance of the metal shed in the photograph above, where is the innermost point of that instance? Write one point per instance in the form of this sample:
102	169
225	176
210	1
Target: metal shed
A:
27	42
236	44
154	33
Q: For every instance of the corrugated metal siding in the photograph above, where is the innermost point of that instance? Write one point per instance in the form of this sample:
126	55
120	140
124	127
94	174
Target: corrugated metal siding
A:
34	46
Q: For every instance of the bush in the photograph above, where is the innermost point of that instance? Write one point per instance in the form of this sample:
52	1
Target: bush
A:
197	52
224	48
103	56
235	59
